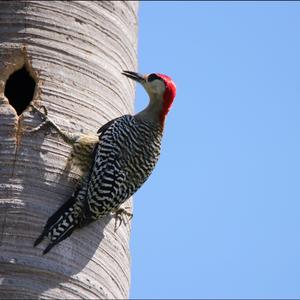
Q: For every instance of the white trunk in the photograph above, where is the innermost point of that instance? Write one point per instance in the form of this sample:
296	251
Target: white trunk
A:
75	51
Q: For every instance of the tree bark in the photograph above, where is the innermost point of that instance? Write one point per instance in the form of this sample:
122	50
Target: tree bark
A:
75	52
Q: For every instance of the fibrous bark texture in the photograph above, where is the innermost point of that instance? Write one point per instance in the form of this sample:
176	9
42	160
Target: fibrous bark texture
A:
75	52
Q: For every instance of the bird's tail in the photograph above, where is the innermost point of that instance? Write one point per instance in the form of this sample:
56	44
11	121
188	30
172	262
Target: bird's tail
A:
61	224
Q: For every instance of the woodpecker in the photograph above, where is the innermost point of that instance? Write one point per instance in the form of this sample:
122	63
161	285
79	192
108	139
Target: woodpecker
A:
121	159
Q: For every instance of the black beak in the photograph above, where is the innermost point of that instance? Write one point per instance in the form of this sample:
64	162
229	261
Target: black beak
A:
135	76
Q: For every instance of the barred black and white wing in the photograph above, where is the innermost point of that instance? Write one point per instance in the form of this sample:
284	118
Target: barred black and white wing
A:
126	155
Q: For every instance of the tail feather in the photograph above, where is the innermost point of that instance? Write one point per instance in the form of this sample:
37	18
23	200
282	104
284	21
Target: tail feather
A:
63	235
60	225
39	239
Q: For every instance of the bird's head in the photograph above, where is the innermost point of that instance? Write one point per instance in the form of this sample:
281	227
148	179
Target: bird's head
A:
160	88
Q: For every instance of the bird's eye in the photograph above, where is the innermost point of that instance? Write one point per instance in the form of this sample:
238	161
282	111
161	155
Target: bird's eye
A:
152	77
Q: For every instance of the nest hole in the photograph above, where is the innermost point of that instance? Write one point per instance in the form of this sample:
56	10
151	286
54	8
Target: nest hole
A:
19	89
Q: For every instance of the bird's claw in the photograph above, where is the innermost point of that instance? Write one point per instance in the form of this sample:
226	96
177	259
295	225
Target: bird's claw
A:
44	116
120	214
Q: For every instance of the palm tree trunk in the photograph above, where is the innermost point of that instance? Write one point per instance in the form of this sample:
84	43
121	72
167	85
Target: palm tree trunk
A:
69	55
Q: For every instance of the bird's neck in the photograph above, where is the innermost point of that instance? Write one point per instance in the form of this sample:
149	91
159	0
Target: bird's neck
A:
154	112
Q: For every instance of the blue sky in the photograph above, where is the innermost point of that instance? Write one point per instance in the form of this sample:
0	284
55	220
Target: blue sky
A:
220	215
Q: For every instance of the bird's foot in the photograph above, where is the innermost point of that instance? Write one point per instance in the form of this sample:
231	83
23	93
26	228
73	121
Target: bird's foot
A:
44	116
68	137
120	215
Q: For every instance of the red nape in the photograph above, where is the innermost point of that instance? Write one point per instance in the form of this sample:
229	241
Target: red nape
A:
168	96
